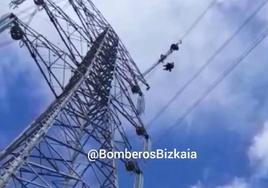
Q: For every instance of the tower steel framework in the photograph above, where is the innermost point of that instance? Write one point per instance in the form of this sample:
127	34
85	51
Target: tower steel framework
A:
94	81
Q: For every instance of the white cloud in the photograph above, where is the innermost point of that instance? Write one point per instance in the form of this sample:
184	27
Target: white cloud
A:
258	152
236	183
258	158
198	185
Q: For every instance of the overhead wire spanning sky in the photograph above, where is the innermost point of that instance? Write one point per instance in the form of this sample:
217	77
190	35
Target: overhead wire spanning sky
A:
205	65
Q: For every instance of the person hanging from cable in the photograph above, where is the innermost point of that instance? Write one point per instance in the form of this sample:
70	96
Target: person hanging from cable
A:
169	66
175	47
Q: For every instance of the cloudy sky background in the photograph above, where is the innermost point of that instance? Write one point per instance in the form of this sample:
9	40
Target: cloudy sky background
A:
229	129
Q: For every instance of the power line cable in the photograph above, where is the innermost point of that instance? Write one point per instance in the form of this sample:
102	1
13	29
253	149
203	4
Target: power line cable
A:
207	63
188	31
219	80
197	21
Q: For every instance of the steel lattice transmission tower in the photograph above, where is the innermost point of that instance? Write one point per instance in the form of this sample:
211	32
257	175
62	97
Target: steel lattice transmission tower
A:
94	81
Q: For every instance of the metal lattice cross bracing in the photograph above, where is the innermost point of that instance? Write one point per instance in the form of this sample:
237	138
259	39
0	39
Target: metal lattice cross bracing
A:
93	100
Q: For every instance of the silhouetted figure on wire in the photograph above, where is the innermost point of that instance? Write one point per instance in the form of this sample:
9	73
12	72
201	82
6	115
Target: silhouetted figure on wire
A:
174	47
169	67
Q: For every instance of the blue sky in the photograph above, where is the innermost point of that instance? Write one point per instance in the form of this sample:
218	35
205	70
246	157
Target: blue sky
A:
229	129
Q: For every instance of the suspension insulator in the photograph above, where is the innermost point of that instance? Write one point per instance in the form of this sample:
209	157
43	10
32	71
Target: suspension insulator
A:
146	136
135	89
16	32
39	2
138	171
130	166
162	58
141	131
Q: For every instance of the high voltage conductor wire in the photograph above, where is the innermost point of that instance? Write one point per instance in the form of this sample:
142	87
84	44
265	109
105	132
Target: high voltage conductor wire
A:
196	22
208	62
224	74
150	70
188	31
